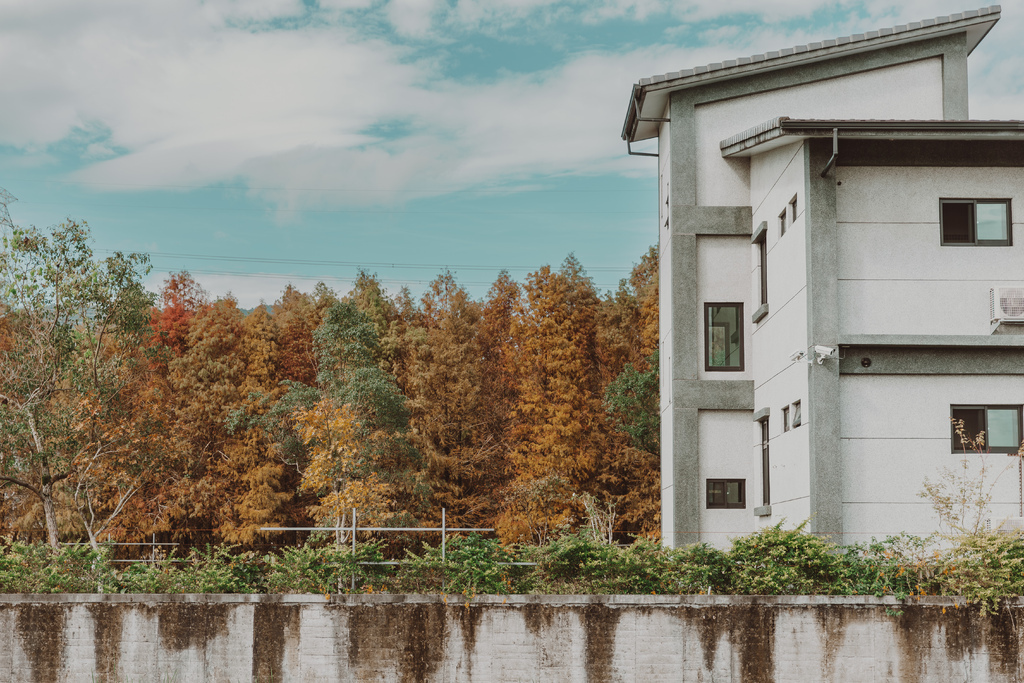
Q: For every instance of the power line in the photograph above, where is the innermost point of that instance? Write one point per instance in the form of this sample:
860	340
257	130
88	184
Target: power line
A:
283	276
380	212
357	264
443	190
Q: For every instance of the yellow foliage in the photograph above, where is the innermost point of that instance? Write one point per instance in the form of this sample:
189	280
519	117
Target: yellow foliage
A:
337	470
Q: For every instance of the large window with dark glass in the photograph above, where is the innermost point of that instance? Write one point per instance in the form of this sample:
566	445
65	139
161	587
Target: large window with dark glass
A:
999	425
727	493
975	222
723	336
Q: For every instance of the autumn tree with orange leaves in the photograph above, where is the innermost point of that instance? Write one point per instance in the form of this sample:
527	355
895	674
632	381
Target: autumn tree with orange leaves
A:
444	386
525	410
559	423
255	477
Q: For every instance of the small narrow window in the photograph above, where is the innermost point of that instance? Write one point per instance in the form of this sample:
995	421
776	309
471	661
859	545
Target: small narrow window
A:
998	426
782	223
785	418
726	494
796	414
766	490
792	209
723	336
762	254
975	222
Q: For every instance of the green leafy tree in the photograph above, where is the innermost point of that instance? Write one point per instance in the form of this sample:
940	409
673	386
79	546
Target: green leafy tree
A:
73	329
348	371
632	399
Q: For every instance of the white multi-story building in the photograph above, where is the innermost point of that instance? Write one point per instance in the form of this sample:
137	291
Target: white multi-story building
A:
839	277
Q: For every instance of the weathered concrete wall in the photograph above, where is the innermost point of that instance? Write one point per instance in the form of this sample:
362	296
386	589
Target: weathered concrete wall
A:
493	638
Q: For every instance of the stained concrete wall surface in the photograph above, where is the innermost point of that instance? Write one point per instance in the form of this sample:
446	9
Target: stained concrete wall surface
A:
494	638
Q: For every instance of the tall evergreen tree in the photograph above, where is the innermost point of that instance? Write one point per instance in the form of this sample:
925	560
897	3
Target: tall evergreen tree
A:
253	471
296	317
207	382
631	477
560	424
444	387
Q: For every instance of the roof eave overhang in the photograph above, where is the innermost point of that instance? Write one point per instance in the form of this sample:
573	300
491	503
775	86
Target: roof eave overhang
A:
785	131
649	100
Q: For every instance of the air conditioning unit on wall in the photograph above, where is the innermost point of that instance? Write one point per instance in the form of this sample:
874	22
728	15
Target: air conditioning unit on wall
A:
1007	304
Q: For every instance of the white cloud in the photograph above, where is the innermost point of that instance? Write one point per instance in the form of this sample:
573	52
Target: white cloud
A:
413	18
203	92
290	109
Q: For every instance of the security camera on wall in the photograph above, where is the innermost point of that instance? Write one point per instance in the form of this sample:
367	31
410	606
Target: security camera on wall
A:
823	352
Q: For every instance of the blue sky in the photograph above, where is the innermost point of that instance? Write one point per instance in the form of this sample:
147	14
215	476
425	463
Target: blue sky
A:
266	141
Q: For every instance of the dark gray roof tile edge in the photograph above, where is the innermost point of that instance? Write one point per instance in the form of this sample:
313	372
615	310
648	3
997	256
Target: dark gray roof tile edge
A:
775	125
811	47
759	129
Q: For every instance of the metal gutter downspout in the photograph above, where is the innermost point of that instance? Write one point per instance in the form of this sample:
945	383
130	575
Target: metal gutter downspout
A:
835	153
629	149
639	119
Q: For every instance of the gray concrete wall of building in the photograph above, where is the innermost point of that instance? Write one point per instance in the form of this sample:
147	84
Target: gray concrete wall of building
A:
777	177
896	432
822	411
706	206
90	638
895	275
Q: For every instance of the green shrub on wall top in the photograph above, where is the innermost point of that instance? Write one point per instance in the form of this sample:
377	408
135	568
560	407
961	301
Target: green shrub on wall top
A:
983	568
777	561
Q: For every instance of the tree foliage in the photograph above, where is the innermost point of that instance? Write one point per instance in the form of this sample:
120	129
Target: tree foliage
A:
71	370
125	415
339	470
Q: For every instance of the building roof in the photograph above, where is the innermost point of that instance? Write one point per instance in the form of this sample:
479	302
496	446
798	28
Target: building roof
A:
650	95
784	130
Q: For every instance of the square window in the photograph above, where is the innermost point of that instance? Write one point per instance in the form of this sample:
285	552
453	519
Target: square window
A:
1000	427
796	414
723	337
785	418
975	222
726	494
